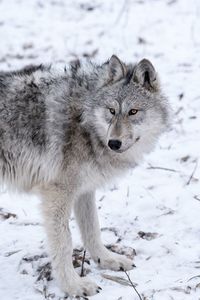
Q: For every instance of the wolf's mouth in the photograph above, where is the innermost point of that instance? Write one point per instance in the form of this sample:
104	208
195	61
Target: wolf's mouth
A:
120	150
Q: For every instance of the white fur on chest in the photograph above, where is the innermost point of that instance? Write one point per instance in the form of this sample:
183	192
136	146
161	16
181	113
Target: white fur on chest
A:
92	178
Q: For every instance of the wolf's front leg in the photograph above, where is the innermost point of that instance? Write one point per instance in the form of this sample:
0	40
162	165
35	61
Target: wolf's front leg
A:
87	218
57	209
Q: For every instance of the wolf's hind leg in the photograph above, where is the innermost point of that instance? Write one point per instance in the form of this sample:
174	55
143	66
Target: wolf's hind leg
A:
87	218
57	209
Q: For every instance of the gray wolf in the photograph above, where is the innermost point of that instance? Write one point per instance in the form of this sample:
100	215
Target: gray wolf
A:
65	133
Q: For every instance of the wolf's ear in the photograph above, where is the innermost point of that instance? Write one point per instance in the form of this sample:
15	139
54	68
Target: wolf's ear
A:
145	75
116	68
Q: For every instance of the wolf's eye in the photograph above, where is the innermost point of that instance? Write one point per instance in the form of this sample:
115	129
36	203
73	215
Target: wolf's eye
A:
112	111
132	112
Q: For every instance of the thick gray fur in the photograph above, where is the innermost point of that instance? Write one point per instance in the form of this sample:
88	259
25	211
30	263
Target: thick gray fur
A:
55	128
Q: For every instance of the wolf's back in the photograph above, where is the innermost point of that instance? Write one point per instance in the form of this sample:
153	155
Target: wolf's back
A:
24	128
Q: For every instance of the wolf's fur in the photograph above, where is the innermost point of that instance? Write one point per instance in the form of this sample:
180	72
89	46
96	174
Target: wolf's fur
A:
55	127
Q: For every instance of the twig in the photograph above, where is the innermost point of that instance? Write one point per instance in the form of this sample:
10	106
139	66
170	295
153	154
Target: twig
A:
7	254
162	168
24	223
117	279
82	265
133	285
197	276
121	11
6	215
197	197
191	176
112	229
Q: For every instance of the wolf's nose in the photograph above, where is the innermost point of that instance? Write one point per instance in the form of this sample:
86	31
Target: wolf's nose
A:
114	144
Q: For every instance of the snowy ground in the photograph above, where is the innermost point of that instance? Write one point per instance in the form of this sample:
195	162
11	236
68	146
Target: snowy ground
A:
155	209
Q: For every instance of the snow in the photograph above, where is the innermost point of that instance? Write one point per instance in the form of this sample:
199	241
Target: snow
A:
161	198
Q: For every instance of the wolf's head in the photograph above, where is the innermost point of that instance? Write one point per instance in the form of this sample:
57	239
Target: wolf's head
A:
127	109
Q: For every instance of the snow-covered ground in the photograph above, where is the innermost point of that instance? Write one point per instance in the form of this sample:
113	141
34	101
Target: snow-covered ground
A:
156	208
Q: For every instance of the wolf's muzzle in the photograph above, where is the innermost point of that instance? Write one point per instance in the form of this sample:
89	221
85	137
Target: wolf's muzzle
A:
114	144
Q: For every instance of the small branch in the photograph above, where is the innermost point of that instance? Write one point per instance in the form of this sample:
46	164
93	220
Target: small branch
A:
7	254
6	215
196	197
25	223
117	279
193	172
111	229
121	11
82	265
133	285
162	168
197	276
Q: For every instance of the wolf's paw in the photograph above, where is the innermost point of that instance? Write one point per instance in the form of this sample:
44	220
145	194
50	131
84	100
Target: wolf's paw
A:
82	287
115	262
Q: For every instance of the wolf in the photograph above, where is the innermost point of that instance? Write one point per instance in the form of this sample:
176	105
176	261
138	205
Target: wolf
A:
65	133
